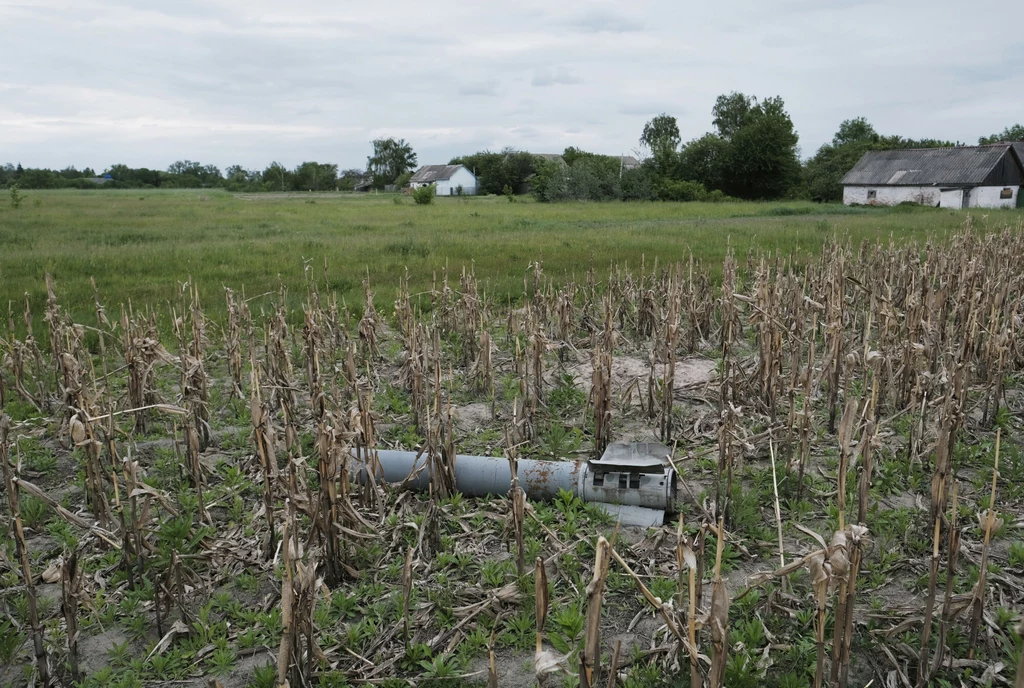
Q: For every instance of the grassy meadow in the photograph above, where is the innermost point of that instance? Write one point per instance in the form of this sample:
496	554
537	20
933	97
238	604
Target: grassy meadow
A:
139	245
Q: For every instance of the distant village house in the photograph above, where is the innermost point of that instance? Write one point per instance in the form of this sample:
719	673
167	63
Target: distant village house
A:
450	180
988	176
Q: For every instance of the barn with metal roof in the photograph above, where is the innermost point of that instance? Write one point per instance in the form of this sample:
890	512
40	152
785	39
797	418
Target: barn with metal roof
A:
962	177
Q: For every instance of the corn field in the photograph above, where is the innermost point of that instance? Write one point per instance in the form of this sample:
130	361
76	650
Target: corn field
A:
200	506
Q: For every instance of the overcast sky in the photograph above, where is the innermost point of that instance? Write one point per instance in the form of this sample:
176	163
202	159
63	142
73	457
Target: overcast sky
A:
146	83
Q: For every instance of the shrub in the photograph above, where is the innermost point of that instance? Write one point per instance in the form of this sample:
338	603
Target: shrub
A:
16	197
424	195
787	211
672	190
403	180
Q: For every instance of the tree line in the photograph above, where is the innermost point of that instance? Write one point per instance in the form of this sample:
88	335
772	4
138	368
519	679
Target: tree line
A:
391	163
752	153
187	174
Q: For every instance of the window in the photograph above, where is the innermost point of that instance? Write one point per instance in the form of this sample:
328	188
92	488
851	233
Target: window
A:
872	194
1006	193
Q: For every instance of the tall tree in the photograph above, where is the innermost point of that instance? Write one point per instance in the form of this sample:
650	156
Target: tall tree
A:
582	176
184	167
833	160
277	177
315	176
6	174
1014	133
661	137
731	112
704	160
348	179
854	130
391	158
763	153
661	133
495	171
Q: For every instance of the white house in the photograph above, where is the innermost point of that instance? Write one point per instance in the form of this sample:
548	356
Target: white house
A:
451	180
989	176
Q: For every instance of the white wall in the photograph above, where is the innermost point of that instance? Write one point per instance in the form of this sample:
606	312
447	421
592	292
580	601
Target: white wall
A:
464	178
980	197
891	195
952	199
988	197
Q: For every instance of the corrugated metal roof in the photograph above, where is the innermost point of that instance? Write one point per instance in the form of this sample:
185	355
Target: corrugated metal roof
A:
429	174
926	166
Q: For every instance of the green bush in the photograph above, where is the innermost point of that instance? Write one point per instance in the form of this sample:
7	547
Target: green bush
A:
403	180
786	211
679	190
673	190
424	195
16	197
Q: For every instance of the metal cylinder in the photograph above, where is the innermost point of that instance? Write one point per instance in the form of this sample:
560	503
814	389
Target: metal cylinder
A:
630	481
620	485
477	476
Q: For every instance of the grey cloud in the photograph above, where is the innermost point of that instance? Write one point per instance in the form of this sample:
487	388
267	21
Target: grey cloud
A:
552	76
651	110
249	81
525	132
480	88
602	21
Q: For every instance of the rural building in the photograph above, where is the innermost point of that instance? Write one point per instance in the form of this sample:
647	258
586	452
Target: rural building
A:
448	178
963	177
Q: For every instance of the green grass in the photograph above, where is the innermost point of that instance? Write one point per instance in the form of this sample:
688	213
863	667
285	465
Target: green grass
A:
139	244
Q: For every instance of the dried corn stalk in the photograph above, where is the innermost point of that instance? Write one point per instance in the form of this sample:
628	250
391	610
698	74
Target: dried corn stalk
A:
601	397
265	440
22	551
541	602
718	617
686	562
233	343
989	523
952	552
590	658
407	580
369	326
71	589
